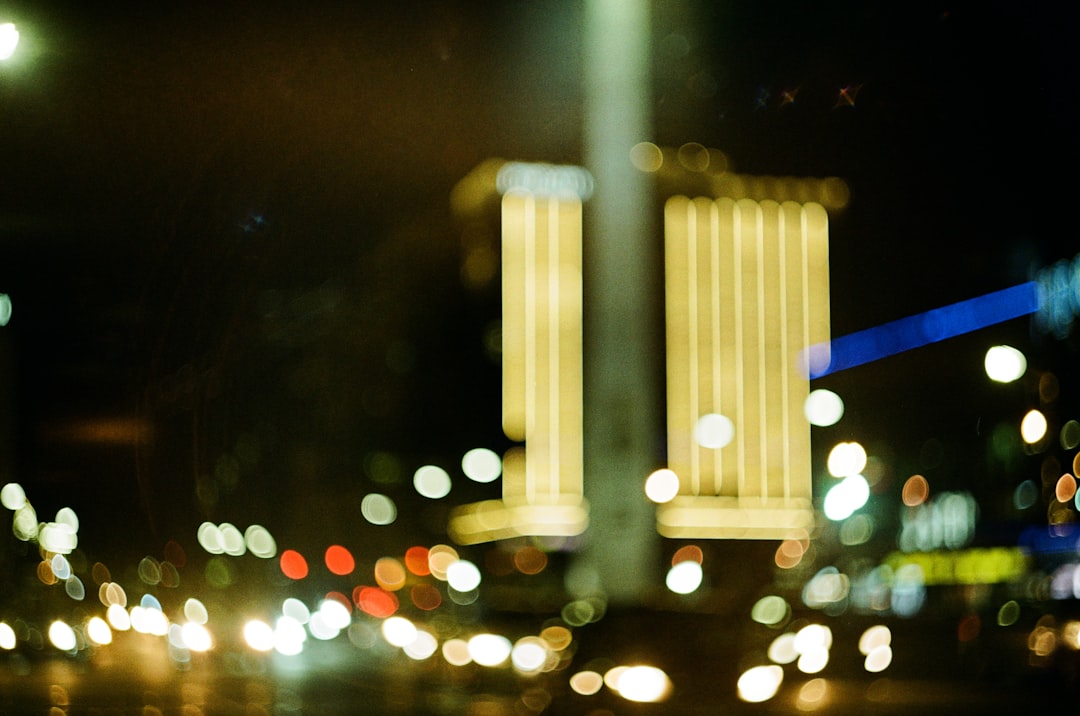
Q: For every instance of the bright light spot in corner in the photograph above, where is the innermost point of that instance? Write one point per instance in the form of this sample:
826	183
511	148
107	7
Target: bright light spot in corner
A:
12	496
760	683
1004	364
1033	427
684	577
645	684
662	486
9	40
823	408
714	431
7	637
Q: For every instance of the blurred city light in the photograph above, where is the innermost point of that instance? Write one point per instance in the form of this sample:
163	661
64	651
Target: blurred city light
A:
5	309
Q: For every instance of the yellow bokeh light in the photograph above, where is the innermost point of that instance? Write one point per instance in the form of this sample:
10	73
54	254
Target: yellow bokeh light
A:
456	652
98	631
644	684
875	636
646	157
7	637
846	459
878	659
1033	427
62	636
812	695
760	683
398	631
586	683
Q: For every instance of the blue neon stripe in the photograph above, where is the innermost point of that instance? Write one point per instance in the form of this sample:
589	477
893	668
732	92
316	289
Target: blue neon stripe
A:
930	327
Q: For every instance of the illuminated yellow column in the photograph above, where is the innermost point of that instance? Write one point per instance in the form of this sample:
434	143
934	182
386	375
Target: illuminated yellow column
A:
542	363
747	290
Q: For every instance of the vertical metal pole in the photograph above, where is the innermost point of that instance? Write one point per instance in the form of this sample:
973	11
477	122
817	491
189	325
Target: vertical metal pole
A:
621	368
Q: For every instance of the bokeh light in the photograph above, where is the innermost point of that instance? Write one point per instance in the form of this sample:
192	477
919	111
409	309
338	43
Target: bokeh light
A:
12	496
390	574
770	610
339	560
293	564
62	636
823	408
1033	427
259	635
423	646
98	631
916	491
1004	364
644	684
481	465
586	682
463	575
1065	488
7	637
684	577
845	497
713	431
432	481
760	683
662	486
378	509
489	649
845	459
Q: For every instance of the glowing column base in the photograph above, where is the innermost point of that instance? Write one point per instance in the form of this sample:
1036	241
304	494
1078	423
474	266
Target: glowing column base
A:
714	517
498	519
